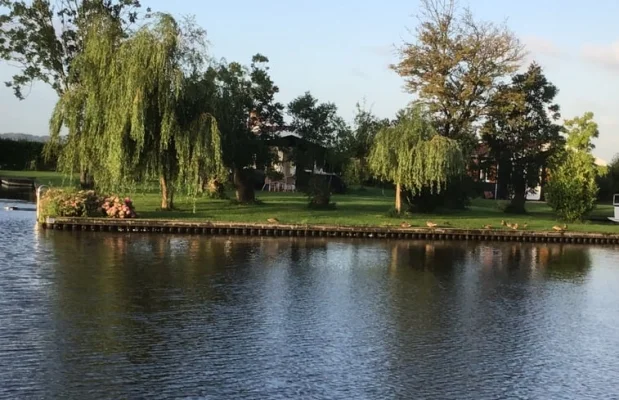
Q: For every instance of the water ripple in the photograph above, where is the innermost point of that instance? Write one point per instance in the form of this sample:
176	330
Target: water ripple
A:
145	316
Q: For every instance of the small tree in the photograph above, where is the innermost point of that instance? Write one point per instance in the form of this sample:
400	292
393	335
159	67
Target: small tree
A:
572	189
413	156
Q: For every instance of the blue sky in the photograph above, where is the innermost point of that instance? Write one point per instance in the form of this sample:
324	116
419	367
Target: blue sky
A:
340	51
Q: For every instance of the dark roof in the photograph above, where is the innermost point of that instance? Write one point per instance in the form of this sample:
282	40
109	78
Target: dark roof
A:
291	140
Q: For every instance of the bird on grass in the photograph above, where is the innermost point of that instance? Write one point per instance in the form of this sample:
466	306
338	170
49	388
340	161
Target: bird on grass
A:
503	223
273	221
405	224
514	227
559	228
487	226
509	225
431	224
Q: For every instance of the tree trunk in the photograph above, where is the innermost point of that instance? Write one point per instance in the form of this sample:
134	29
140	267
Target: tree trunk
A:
516	206
86	181
542	191
167	194
398	198
503	177
244	184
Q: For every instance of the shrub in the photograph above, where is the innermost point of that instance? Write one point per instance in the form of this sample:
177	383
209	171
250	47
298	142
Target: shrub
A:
319	193
56	202
114	207
84	203
572	189
214	189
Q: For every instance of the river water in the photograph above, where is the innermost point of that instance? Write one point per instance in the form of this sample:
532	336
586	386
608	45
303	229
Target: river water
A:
99	315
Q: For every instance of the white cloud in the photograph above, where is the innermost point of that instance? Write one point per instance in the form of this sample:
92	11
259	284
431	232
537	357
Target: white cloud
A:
543	46
605	55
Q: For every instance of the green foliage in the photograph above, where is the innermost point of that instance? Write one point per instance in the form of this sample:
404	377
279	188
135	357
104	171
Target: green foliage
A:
21	155
455	196
355	144
247	114
413	155
581	131
319	125
521	132
134	114
356	172
319	193
609	181
455	64
242	94
44	38
572	190
313	121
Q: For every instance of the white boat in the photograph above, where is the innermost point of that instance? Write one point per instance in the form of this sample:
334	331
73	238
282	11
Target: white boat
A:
616	207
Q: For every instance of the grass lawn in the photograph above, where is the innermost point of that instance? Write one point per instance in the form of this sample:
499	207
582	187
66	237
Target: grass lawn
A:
368	207
48	178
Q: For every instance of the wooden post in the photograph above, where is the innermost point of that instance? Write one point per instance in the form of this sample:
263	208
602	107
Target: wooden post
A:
39	190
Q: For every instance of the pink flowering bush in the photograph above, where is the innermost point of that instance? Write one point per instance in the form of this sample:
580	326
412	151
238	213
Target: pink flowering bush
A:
114	207
61	203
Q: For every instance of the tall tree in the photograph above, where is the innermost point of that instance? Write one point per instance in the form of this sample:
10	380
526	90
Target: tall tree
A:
318	123
42	39
248	115
455	64
132	112
521	132
314	121
413	156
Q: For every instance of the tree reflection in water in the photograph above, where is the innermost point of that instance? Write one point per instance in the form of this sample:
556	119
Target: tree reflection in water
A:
165	305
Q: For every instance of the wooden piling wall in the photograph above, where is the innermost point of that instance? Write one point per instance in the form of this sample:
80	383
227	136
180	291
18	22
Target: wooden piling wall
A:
249	229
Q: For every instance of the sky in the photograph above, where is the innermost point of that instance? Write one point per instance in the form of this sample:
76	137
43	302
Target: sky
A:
340	50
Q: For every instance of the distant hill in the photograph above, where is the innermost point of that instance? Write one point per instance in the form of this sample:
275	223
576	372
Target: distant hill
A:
24	136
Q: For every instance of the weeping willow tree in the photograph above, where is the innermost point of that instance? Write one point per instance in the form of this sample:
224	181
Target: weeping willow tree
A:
135	114
413	156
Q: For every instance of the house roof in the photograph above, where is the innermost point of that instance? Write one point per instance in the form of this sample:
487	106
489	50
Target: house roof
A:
290	139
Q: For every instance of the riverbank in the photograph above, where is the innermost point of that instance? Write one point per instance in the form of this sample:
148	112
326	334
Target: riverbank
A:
291	230
360	208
